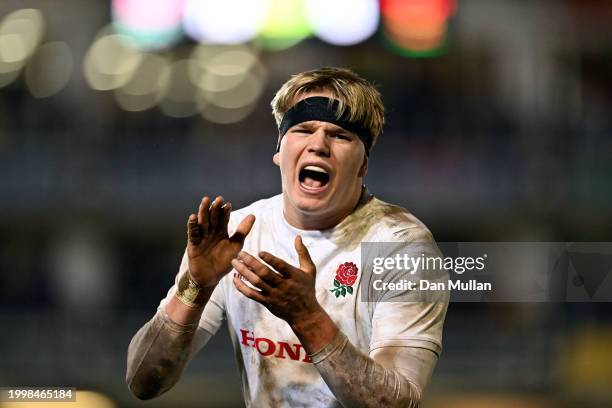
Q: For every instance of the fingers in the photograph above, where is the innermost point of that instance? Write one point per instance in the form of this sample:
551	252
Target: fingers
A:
243	229
203	213
215	211
250	276
194	230
225	216
270	277
246	291
306	263
281	266
213	216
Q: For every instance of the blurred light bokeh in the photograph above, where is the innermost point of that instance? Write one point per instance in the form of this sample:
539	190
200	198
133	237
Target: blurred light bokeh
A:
116	117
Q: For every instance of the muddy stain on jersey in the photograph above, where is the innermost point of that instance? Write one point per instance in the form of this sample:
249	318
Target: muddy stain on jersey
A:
369	211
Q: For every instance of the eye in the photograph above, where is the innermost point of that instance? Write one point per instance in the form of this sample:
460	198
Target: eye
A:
343	136
300	130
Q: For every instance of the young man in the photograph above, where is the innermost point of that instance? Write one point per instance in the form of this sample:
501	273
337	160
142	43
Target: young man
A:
284	271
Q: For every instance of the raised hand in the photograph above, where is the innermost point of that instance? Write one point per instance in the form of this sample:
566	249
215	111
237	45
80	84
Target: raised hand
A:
289	295
210	249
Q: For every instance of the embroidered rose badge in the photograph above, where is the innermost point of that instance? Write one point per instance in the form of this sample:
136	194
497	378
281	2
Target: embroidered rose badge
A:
346	275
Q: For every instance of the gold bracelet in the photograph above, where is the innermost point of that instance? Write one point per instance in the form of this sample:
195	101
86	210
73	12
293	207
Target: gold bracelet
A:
189	292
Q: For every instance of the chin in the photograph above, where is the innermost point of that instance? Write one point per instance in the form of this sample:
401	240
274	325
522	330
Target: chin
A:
311	204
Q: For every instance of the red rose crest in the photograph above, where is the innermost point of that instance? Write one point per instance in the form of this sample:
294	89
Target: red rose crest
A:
346	276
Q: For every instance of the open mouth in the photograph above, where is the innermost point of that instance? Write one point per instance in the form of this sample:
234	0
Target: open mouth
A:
313	177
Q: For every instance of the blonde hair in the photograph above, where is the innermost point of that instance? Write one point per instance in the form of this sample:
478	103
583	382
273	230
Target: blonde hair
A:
354	93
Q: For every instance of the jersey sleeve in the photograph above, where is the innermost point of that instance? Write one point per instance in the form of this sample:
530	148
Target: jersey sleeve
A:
408	324
403	319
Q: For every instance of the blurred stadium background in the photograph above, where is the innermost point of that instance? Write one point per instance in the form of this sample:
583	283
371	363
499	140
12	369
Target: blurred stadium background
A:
116	117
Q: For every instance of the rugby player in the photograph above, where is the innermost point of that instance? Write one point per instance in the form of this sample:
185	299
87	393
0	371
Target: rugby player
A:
285	271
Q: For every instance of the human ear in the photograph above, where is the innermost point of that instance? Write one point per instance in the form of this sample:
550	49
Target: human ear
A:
363	170
276	159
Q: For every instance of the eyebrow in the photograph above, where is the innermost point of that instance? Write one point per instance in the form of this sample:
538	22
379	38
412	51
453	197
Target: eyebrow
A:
336	129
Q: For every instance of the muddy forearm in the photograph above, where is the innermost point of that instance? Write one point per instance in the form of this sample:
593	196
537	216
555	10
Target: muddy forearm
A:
157	355
359	381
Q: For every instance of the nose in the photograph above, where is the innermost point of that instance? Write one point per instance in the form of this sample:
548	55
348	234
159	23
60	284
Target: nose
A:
318	143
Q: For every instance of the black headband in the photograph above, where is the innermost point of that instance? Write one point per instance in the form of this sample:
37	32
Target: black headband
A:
318	108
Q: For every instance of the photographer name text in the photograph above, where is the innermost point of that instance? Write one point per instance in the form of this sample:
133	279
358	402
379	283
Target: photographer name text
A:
426	285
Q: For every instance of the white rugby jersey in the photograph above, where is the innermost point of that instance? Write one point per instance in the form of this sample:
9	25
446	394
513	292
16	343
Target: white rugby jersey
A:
274	367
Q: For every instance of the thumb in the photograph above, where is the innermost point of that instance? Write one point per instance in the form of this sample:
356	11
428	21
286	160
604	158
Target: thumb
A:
243	229
306	263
